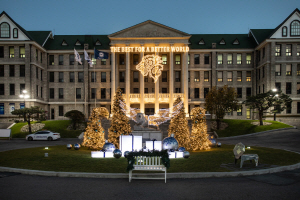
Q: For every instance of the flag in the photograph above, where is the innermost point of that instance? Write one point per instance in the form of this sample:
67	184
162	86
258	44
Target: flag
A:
87	58
100	54
77	56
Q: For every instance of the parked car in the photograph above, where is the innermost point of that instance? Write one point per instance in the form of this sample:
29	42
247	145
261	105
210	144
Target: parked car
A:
43	135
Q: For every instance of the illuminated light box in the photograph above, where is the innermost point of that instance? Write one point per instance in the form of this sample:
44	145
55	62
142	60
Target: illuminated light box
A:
97	154
178	154
130	143
155	144
108	154
172	155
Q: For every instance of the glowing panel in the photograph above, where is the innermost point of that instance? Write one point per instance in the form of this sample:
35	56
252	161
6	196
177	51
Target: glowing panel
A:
178	154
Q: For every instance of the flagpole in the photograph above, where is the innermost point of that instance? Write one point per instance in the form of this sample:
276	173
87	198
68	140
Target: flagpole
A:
75	84
95	84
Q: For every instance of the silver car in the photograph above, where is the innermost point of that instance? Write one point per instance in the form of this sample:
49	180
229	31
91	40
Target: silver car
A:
43	135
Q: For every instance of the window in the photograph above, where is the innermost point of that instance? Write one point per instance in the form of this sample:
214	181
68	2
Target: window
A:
239	92
298	70
11	70
188	59
5	30
229	59
93	77
220	59
164	59
11	52
103	76
177	59
263	88
41	92
196	93
295	28
248	76
289	108
22	70
177	90
93	93
22	87
248	113
61	77
196	59
61	110
71	59
278	50
288	88
37	72
135	59
1	70
146	90
41	75
298	87
298	49
248	92
177	76
37	90
71	77
189	75
288	50
264	52
206	76
51	76
136	90
78	93
80	77
60	93
103	61
288	71
122	76
229	76
284	31
206	90
206	59
164	90
229	112
277	70
189	93
1	51
298	107
22	52
51	59
122	90
15	30
51	95
1	89
197	76
239	76
238	58
135	76
122	59
248	59
220	76
11	89
278	86
61	59
263	71
239	111
41	57
94	61
164	76
103	93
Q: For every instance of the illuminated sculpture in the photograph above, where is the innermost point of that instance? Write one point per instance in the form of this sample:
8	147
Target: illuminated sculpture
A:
151	65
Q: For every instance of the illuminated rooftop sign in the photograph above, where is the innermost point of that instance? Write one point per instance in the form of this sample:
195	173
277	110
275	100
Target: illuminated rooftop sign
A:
150	49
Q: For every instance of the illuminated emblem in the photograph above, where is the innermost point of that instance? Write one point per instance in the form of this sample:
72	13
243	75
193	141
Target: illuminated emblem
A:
101	54
151	65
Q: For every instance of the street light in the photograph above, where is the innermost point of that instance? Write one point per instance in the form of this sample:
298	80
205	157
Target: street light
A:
24	95
276	96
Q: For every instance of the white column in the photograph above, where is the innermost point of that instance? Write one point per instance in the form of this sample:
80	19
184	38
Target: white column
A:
113	77
127	77
185	82
156	95
171	81
142	87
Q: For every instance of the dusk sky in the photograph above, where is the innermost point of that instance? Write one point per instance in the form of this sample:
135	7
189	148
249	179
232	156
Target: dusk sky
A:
79	17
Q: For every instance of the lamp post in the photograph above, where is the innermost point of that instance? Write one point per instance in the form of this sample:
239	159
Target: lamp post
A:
275	96
25	96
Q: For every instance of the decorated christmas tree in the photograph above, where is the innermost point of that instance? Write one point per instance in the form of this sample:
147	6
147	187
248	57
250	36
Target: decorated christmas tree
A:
120	122
199	137
94	135
179	125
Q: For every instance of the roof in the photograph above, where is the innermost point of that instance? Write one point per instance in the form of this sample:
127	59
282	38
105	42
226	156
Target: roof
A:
261	34
245	42
39	36
56	42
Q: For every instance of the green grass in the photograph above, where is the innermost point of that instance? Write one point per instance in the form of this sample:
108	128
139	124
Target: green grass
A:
62	159
59	126
243	127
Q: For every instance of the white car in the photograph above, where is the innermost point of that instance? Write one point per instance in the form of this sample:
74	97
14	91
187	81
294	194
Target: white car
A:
43	135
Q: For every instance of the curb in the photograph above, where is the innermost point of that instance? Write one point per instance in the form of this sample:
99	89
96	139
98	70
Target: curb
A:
169	175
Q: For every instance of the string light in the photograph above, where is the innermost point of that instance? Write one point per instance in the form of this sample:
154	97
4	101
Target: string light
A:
151	65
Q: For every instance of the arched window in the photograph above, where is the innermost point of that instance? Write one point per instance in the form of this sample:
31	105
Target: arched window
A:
284	31
4	30
295	28
15	33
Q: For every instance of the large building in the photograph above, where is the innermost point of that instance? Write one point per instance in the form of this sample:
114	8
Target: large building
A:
44	65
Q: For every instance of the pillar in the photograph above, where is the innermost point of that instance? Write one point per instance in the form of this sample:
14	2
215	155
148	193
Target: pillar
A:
142	87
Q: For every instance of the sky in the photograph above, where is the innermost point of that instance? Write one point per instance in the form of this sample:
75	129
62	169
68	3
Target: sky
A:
100	17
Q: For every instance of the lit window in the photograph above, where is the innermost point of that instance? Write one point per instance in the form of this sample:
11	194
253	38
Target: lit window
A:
229	59
298	70
4	30
278	50
206	76
277	70
248	76
229	76
248	113
103	61
94	61
11	52
239	111
135	59
188	59
288	70
220	59
239	76
295	28
164	58
298	49
51	59
288	50
197	76
248	59
220	76
177	59
239	59
22	52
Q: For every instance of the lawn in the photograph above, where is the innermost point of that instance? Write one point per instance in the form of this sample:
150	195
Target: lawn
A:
59	126
62	159
243	127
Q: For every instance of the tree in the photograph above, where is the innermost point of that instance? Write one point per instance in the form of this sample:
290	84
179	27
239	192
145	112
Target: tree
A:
76	117
199	137
94	135
179	126
264	101
221	100
28	114
120	122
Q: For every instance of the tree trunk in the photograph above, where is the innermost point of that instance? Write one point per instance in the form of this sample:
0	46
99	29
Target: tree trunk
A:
218	123
29	125
260	118
274	116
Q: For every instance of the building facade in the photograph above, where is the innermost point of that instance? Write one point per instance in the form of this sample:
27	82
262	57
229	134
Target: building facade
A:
44	65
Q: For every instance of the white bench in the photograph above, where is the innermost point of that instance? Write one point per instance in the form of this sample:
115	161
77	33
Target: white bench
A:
5	133
143	163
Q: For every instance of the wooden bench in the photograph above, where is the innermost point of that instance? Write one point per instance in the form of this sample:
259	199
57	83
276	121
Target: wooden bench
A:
143	163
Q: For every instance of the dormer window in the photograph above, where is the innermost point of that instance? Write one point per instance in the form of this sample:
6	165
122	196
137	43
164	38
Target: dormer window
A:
4	30
64	43
201	41
15	31
284	31
78	43
98	43
295	28
236	41
222	41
